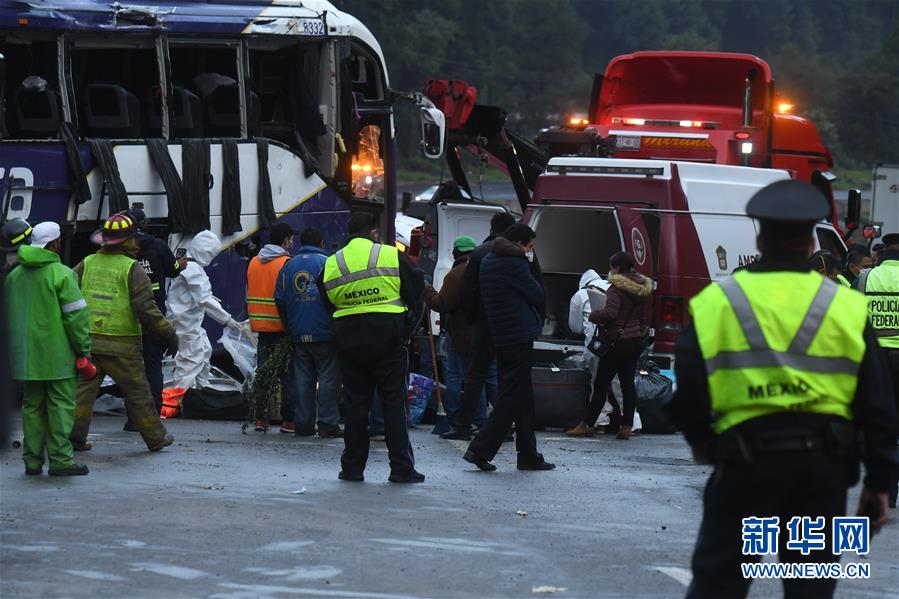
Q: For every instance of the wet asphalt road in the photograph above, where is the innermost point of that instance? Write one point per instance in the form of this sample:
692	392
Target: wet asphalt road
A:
218	515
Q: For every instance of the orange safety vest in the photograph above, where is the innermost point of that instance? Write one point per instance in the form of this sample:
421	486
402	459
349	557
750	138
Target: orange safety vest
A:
261	280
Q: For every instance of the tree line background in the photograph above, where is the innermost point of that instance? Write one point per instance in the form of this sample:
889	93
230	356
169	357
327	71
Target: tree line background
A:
838	60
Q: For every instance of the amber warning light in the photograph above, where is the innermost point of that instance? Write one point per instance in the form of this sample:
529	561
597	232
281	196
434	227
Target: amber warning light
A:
639	122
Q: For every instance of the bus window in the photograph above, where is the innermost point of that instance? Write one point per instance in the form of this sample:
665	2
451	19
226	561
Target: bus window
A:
366	76
285	80
31	96
207	76
114	83
368	166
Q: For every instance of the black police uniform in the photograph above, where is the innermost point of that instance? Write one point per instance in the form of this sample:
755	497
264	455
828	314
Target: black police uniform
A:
890	253
159	263
783	464
371	349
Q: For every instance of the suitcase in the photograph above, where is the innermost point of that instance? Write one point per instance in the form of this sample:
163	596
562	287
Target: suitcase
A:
212	404
560	396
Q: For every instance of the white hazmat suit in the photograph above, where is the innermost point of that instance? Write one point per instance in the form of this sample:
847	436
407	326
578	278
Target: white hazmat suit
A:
579	309
579	322
189	300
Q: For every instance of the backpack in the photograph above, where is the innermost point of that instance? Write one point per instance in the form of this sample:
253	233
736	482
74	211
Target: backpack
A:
576	307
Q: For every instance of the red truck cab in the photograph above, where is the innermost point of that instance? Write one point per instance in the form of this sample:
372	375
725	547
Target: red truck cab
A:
711	107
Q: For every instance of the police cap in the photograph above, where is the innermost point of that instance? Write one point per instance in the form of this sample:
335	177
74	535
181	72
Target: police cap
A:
890	239
788	201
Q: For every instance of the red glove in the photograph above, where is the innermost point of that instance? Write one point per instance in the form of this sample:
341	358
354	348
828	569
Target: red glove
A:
86	369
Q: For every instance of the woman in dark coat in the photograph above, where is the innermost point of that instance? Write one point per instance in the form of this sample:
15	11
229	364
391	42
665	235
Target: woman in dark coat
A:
622	319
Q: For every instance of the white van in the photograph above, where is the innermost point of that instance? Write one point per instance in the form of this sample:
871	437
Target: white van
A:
685	223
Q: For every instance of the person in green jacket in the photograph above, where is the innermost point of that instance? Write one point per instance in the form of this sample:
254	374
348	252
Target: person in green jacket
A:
48	331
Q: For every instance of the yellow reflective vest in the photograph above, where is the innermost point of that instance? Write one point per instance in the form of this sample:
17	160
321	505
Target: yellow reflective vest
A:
779	342
104	283
881	285
363	278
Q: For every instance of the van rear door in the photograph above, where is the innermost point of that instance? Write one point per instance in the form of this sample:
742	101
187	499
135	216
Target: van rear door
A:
826	238
885	198
452	220
640	230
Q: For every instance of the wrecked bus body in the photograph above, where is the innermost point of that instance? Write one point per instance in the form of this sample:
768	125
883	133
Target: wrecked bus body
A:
225	116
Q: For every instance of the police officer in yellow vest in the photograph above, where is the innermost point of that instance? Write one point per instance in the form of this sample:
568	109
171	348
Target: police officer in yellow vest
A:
779	378
372	289
121	307
881	285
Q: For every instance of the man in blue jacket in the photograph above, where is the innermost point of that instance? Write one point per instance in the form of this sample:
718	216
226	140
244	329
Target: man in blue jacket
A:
512	298
309	324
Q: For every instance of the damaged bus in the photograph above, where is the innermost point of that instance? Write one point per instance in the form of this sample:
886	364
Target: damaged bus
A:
225	116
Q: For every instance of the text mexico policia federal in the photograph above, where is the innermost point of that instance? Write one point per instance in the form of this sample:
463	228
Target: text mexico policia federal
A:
781	388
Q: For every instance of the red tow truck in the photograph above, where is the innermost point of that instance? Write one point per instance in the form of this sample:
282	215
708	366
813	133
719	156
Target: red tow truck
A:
712	107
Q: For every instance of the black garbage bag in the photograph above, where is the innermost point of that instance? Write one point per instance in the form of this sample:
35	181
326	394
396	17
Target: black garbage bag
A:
654	393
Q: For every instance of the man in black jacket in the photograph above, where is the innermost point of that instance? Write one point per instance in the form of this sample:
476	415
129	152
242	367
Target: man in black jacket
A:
512	296
482	349
159	263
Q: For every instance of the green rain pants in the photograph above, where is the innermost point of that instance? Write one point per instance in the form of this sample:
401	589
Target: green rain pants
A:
48	411
128	372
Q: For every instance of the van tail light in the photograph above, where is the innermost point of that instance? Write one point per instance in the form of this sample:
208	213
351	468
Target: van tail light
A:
672	312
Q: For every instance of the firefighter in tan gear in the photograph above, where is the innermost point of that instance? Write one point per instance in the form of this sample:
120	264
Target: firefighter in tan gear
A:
781	385
121	307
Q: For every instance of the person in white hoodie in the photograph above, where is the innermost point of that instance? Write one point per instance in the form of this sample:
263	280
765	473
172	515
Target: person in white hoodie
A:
189	300
579	313
579	309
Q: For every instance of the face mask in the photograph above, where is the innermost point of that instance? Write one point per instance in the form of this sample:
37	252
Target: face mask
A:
529	256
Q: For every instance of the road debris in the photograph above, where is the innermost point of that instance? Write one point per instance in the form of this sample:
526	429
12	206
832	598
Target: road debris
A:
548	589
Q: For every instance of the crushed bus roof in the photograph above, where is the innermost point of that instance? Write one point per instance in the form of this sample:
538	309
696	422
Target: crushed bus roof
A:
306	18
